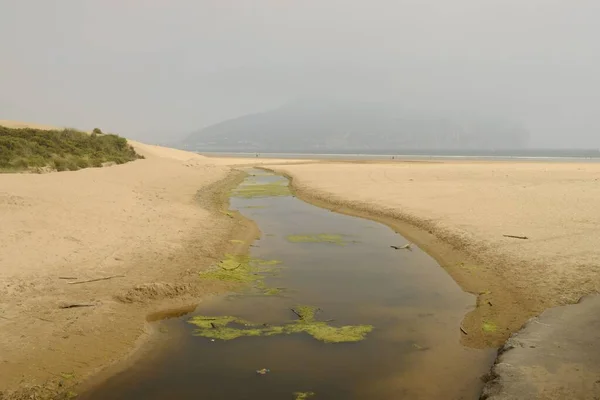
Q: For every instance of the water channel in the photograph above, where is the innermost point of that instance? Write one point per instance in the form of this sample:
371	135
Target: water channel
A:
402	309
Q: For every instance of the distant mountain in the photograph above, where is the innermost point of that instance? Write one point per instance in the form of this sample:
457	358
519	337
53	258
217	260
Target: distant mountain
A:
343	127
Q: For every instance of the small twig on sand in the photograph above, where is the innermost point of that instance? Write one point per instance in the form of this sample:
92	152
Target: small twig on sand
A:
75	305
463	330
97	279
516	237
230	269
212	325
297	313
405	247
67	277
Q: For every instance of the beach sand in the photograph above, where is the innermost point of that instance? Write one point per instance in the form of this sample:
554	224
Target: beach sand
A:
460	211
155	223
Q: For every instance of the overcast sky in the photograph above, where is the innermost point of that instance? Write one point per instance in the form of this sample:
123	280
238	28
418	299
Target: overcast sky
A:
144	68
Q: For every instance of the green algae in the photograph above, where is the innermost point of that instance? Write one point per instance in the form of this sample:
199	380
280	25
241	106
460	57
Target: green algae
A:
205	322
330	334
220	328
228	213
489	327
306	314
272	291
317	238
303	395
67	375
250	190
242	269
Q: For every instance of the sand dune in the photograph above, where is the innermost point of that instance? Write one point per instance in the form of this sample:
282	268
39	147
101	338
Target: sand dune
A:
471	205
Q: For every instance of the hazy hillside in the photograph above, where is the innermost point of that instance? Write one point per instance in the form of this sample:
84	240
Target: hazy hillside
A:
362	127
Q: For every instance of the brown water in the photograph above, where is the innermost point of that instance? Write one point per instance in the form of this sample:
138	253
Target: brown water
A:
414	351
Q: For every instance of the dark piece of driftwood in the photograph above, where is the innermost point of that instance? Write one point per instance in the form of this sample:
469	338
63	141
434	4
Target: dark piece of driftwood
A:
405	247
76	305
516	237
97	279
67	277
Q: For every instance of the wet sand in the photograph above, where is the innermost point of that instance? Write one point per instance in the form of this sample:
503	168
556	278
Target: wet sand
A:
460	211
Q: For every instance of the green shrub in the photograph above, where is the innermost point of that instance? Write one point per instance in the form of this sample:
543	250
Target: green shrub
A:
58	163
68	149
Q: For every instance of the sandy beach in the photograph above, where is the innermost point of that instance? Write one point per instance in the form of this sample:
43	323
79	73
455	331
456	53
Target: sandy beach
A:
460	211
151	225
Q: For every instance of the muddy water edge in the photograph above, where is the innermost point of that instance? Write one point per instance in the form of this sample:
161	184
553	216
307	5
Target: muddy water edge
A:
327	310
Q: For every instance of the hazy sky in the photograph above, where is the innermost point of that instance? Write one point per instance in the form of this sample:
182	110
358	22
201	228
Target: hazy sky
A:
146	68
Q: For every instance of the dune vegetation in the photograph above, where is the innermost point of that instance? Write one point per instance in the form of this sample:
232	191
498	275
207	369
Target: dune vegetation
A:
39	150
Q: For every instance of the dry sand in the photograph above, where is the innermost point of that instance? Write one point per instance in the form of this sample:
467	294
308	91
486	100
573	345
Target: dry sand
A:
459	212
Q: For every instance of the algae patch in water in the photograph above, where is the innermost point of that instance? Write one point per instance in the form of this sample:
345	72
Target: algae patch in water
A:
318	238
217	327
221	328
303	395
242	269
250	190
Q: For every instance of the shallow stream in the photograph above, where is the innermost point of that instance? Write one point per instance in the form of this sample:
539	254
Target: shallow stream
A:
342	266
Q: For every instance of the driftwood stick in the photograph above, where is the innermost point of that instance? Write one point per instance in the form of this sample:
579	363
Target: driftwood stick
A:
297	313
76	305
463	330
516	237
97	279
232	269
405	247
67	277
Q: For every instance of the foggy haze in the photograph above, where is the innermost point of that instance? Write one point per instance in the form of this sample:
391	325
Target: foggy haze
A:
158	70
